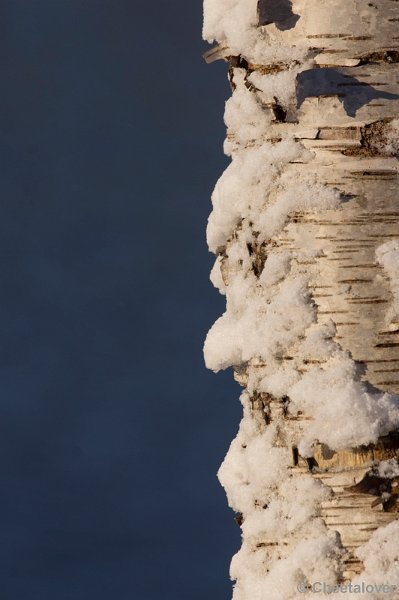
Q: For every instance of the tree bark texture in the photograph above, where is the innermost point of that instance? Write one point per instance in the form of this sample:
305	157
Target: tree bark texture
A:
341	59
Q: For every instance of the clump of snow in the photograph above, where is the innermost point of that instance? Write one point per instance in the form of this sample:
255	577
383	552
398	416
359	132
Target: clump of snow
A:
253	465
283	516
279	380
253	186
245	115
280	85
216	276
381	562
260	321
313	558
299	198
387	468
232	20
319	342
276	268
234	23
275	506
243	190
334	393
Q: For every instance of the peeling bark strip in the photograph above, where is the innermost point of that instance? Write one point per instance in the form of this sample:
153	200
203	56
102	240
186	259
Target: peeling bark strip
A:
305	228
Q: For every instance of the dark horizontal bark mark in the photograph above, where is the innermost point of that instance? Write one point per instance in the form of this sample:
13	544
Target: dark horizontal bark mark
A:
383	360
357	266
354	301
388	56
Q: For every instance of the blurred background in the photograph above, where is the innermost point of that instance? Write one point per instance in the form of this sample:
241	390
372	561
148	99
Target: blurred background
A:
112	430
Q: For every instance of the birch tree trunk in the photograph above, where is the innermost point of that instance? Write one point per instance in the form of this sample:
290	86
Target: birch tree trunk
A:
305	228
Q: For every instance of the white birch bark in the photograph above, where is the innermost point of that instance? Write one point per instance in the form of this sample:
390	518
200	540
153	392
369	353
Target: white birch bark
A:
305	226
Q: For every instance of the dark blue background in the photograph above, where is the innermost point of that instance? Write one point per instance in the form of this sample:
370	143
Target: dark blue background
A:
111	428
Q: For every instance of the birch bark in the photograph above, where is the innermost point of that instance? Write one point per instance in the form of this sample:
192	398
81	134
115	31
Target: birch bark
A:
305	227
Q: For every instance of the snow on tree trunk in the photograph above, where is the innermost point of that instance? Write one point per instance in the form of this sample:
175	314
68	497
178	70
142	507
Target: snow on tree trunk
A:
305	227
